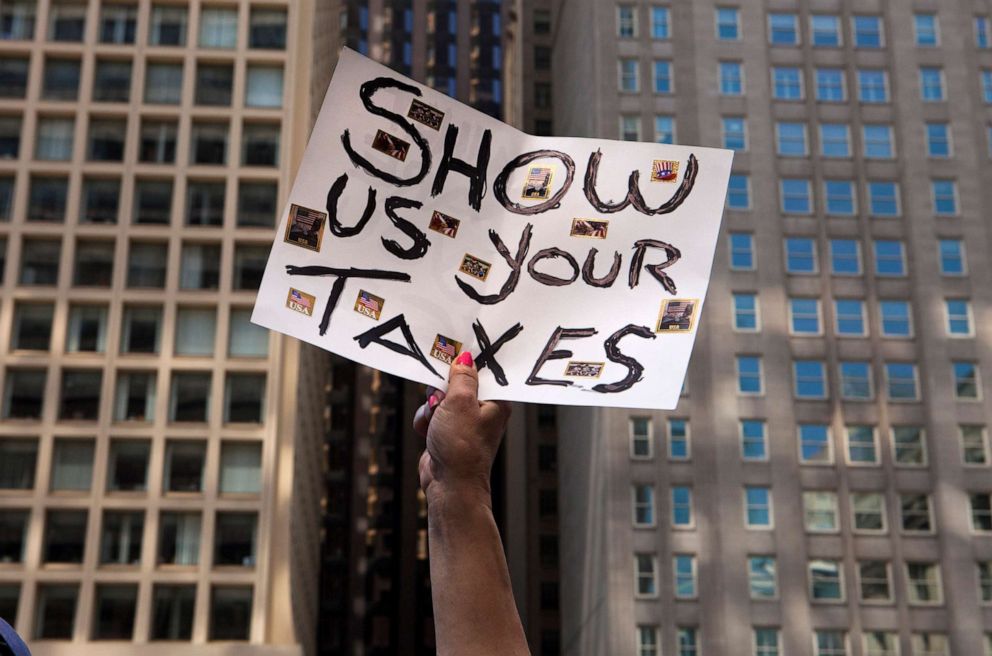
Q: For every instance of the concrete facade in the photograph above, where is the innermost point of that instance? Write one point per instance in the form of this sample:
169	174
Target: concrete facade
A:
162	483
833	416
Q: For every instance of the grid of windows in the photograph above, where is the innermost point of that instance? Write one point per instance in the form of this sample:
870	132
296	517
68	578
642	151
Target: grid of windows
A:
105	420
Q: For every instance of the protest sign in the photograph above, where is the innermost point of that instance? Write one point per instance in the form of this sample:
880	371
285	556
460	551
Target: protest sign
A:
573	269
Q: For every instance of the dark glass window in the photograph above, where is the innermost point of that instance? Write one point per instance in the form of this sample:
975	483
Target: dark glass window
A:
121	537
213	84
200	266
267	29
55	618
117	23
47	198
61	81
112	81
260	144
205	203
244	398
113	617
9	597
65	536
153	201
80	397
209	143
147	264
249	264
257	203
230	613
94	264
24	393
234	539
172	613
6	197
142	329
127	468
179	538
32	327
107	140
168	26
184	463
100	200
40	261
18	462
66	21
158	142
13	535
10	137
190	396
13	77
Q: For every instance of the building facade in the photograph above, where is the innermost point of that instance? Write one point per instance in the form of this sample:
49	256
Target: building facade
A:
159	455
823	488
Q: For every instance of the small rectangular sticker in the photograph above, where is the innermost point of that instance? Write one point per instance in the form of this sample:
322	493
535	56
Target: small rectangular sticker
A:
393	146
444	224
579	369
677	316
591	228
475	267
423	113
445	349
301	302
305	227
664	170
369	304
537	186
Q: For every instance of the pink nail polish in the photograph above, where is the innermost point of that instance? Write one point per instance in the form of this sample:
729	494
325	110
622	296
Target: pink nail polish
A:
432	402
465	358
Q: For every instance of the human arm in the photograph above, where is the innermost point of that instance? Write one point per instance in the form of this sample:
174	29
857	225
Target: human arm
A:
474	611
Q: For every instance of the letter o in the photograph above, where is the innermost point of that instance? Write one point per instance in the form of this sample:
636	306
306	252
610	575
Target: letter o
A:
546	279
499	186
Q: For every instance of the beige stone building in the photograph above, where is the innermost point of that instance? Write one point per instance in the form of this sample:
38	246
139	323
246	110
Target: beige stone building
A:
159	455
823	488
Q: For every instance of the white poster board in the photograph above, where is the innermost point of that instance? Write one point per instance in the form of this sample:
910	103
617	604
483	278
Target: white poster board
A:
574	270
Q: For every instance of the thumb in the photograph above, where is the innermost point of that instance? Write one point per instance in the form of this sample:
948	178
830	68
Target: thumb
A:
463	381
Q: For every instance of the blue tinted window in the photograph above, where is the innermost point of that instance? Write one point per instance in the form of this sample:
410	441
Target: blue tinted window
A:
783	29
873	85
878	142
945	197
731	79
810	379
896	320
678	439
966	380
901	380
938	140
727	24
830	84
850	316
890	258
814	443
868	31
855	381
951	257
926	30
835	140
883	198
845	257
825	30
931	84
734	133
958	317
738	192
662	76
839	197
749	374
800	255
660	23
758	503
745	312
791	139
753	444
805	315
741	250
664	129
796	196
787	83
681	506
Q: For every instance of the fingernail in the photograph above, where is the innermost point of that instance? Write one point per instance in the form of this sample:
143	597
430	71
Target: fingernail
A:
465	358
432	402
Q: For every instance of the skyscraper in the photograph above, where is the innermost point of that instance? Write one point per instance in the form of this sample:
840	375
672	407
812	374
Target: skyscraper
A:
159	454
823	487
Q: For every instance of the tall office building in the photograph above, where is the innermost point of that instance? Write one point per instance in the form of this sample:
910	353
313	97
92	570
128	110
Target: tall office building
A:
375	579
823	488
159	455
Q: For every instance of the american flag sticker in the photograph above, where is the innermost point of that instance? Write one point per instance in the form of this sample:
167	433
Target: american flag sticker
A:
445	349
369	304
664	170
301	302
538	183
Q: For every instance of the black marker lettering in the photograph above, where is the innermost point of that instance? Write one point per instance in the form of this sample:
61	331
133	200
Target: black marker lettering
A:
590	264
499	186
515	263
634	196
333	194
476	174
549	353
420	242
547	279
657	270
376	335
634	368
487	350
365	93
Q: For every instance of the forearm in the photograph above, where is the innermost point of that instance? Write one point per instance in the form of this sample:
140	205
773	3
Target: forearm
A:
474	612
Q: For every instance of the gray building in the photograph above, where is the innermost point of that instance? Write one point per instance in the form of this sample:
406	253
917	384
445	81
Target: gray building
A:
823	487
